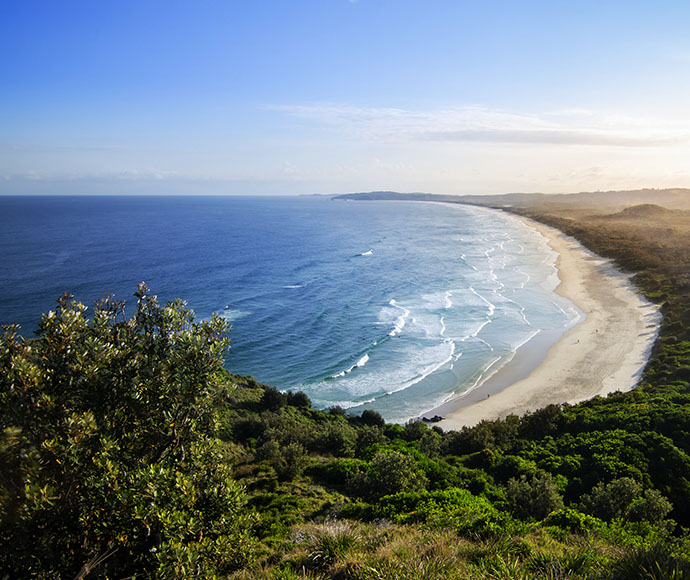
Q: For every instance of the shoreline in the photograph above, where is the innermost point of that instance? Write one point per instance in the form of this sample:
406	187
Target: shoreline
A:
604	352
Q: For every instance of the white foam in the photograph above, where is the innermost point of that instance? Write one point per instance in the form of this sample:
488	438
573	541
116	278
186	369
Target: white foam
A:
400	320
426	371
350	404
414	366
231	314
438	300
359	364
490	305
367	253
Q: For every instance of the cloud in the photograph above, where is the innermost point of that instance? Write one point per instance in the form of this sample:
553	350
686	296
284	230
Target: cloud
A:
553	137
485	125
150	174
31	149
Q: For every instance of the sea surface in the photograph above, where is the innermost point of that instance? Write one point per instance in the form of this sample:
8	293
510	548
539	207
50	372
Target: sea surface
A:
394	306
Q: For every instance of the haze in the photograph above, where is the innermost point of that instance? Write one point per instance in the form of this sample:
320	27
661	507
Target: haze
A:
333	96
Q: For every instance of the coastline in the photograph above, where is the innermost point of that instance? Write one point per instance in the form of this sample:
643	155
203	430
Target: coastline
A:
604	352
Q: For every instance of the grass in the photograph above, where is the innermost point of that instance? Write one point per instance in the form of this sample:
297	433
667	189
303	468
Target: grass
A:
347	550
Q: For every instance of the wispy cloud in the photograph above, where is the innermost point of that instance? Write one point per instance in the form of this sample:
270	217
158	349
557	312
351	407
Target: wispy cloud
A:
483	124
150	174
32	149
553	137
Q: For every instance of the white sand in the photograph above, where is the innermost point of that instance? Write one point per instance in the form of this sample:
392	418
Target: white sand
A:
604	353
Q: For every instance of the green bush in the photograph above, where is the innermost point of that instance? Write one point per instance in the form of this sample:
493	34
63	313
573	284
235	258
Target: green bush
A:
105	448
533	498
573	521
446	507
623	498
338	471
298	399
371	417
387	473
273	399
291	461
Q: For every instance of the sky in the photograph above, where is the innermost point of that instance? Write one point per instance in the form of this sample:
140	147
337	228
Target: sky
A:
334	96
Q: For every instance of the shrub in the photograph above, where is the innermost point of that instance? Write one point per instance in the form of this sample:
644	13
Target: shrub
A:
371	417
106	455
338	438
573	521
338	471
388	472
444	507
535	497
368	436
652	507
291	461
623	498
298	399
414	430
272	399
268	450
513	466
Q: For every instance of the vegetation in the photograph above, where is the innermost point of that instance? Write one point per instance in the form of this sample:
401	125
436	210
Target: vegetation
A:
126	450
108	466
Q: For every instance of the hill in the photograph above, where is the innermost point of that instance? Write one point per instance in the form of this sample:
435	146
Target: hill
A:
677	198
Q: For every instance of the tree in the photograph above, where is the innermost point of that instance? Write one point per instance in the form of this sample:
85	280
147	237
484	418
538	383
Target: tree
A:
387	473
623	498
535	497
106	450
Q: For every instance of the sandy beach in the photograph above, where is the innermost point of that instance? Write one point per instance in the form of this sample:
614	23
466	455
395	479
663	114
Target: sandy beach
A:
605	352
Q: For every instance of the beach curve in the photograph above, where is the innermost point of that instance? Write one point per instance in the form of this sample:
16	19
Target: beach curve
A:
606	351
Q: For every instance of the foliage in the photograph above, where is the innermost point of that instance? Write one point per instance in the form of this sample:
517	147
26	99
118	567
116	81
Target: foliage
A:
291	461
623	498
388	472
107	461
657	562
535	497
573	521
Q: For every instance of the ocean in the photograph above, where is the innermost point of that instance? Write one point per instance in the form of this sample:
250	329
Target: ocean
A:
392	306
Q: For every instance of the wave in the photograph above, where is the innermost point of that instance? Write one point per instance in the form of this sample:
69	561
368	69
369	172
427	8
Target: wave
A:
231	314
400	320
293	286
359	364
491	369
463	258
367	253
351	390
425	372
349	404
490	305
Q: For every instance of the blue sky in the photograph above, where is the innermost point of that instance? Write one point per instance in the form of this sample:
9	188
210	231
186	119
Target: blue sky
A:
331	96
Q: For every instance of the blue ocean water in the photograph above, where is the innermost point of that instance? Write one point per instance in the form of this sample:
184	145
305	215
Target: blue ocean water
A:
393	306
